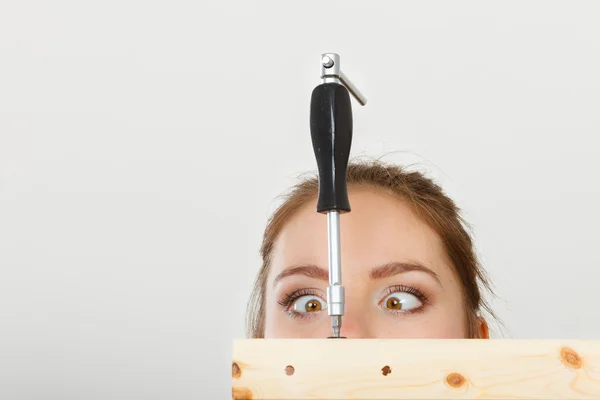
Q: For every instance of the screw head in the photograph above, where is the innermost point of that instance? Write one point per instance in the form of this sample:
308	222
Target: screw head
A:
327	62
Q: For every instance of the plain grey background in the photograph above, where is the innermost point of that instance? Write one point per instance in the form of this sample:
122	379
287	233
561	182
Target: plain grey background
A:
143	144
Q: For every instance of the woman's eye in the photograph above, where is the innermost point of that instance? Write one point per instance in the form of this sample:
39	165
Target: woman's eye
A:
308	304
401	301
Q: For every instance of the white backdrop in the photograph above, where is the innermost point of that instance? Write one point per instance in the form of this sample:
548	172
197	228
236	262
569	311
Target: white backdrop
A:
142	145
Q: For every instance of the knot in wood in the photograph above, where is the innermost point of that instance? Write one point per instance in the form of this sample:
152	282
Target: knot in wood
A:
241	393
236	371
570	358
386	370
455	380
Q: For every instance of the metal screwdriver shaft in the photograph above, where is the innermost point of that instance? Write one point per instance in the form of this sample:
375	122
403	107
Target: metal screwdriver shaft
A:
335	290
331	132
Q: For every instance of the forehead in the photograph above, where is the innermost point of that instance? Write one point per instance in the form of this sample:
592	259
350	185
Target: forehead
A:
381	228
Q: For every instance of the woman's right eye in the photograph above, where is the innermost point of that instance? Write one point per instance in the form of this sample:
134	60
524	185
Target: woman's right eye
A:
308	304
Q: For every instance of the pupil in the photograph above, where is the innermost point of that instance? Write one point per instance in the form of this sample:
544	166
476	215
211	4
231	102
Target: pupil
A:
394	303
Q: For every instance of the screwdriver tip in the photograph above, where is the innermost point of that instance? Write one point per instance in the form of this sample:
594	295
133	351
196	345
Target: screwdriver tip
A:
336	324
336	331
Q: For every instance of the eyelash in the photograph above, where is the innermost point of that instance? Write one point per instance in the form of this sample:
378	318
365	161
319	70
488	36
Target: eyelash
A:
288	299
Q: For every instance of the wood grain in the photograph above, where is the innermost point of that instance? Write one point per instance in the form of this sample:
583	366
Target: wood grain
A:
298	369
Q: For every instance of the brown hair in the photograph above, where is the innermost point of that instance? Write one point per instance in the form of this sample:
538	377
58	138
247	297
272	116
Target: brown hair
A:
428	201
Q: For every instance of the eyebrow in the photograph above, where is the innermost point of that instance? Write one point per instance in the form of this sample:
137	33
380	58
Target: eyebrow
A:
380	272
396	268
312	271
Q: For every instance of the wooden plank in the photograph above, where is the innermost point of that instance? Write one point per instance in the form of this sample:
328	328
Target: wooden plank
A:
298	369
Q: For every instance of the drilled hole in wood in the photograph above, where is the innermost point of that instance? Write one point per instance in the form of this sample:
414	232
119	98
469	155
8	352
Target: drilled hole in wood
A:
386	370
289	370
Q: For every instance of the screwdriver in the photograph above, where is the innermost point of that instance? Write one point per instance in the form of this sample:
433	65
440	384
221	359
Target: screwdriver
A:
331	128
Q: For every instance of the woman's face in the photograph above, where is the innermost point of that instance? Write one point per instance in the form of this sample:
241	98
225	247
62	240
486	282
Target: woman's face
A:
398	280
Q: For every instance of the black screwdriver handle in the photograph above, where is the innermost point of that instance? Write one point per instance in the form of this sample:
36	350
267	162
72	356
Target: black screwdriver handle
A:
331	132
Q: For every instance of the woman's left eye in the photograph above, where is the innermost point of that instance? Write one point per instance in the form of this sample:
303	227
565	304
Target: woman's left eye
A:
401	301
308	304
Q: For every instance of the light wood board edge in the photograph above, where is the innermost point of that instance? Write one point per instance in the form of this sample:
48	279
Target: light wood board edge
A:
298	369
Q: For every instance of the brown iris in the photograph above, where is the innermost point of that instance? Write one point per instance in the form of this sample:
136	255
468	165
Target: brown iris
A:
312	306
393	303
